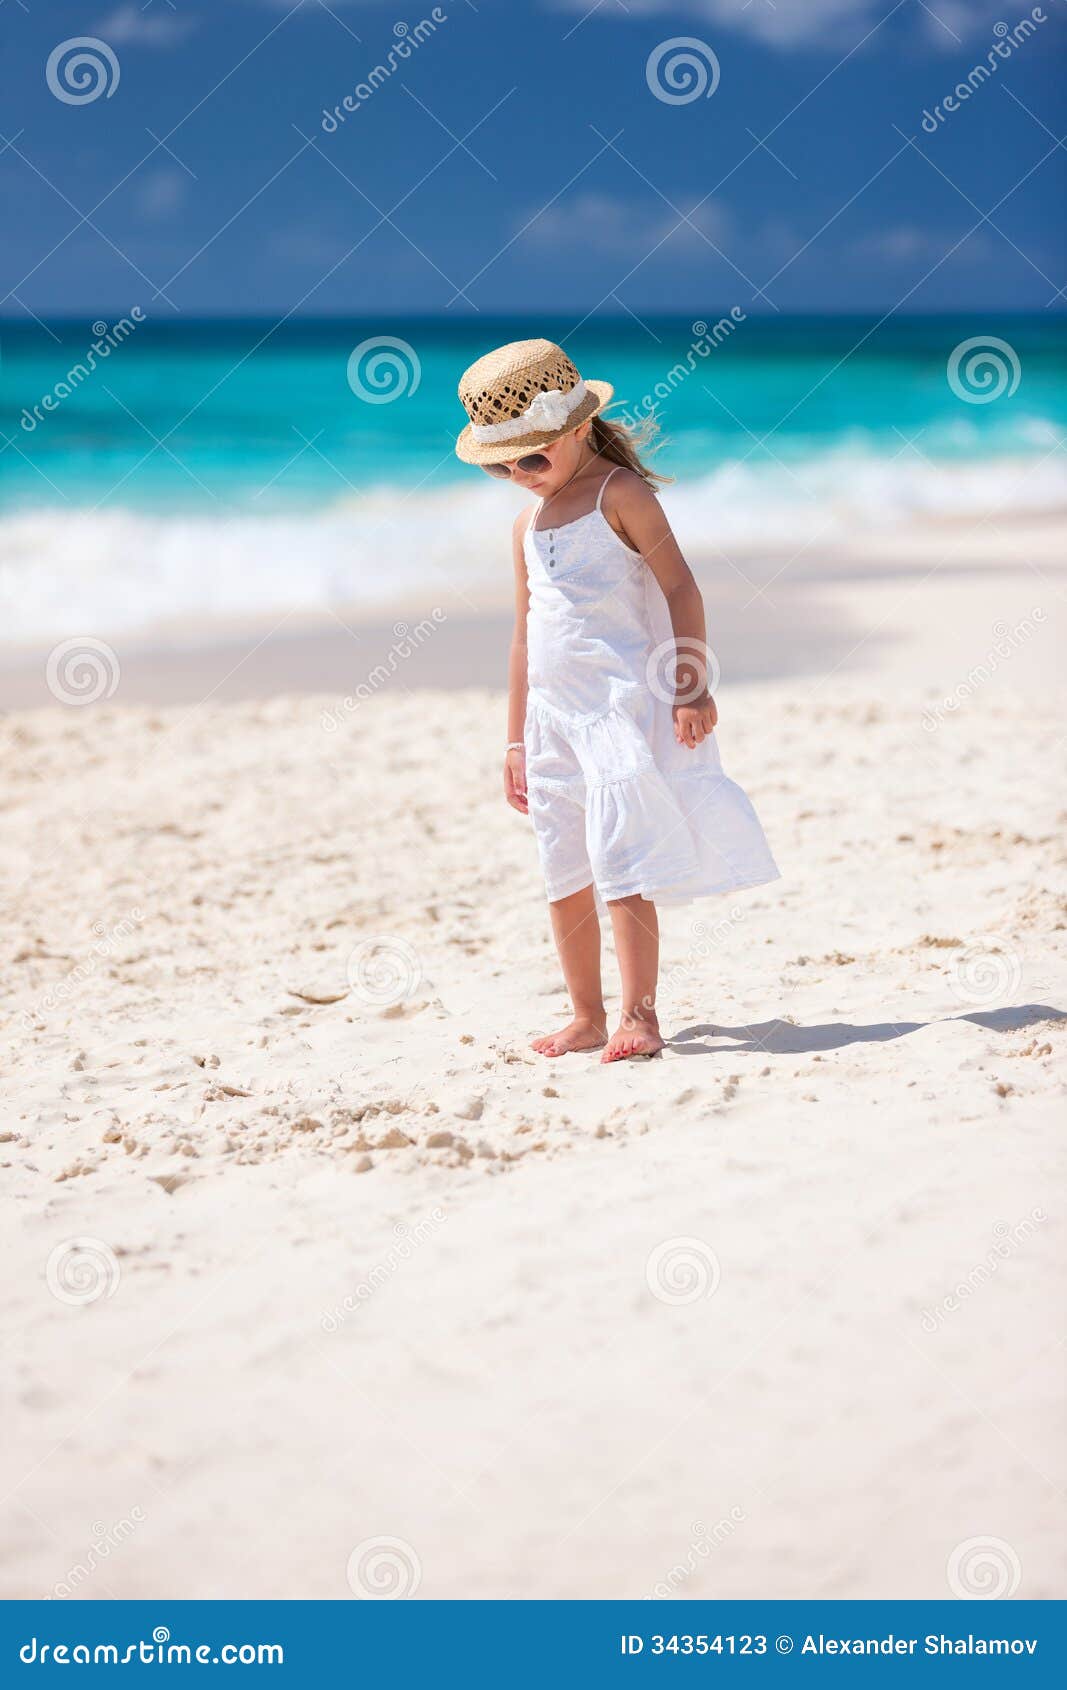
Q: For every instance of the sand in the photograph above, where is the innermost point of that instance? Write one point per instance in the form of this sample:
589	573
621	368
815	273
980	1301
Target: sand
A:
308	1251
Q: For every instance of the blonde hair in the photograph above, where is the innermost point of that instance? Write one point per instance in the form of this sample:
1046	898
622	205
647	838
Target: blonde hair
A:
622	442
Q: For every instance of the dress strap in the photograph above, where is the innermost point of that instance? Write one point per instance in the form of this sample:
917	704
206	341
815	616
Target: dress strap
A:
604	483
534	514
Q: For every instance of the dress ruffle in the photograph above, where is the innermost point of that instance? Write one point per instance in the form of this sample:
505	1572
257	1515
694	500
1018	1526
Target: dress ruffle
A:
655	819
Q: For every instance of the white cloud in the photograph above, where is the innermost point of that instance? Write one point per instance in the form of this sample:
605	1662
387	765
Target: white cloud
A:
609	223
949	23
161	193
623	230
297	245
903	242
157	26
325	6
834	26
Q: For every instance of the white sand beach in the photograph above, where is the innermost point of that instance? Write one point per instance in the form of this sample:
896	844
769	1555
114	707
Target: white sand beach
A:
310	1251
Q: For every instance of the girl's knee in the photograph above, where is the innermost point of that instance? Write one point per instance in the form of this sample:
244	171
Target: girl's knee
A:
583	895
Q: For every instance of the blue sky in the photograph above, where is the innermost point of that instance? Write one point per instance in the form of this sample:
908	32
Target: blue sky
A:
519	158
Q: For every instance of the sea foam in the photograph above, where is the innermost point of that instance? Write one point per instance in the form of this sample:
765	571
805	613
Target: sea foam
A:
120	570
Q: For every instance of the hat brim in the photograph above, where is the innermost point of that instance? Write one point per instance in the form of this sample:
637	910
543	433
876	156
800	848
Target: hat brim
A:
472	451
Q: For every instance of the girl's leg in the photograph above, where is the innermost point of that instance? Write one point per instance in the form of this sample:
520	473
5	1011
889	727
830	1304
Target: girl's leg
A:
577	933
636	930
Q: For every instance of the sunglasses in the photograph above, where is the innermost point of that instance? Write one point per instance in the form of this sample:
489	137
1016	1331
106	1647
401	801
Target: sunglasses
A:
534	464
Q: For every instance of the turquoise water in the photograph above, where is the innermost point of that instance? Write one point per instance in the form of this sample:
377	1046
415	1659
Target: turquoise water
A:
216	469
235	404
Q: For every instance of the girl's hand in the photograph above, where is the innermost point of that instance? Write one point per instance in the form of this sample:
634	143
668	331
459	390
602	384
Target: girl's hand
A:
694	722
515	781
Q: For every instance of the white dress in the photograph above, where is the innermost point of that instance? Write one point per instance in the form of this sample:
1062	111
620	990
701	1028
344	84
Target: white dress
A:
615	801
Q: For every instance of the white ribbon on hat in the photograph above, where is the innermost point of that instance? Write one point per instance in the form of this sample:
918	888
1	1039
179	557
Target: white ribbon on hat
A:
548	411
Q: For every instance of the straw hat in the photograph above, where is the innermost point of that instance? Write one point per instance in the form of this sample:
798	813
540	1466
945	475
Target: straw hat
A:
521	397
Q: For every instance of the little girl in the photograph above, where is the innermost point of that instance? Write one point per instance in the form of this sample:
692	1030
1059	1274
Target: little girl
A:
610	722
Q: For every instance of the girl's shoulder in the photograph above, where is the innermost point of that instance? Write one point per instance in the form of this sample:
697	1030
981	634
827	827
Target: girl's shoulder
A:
626	503
624	490
523	520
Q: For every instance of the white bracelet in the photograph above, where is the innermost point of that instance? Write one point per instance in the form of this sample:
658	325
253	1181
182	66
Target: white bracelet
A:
516	745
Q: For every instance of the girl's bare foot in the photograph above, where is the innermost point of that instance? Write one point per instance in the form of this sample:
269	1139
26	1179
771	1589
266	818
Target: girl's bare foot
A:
637	1036
581	1034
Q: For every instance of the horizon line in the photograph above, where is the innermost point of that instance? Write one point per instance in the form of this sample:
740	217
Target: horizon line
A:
28	319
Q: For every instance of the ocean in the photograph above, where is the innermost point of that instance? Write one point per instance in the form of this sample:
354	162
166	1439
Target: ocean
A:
157	472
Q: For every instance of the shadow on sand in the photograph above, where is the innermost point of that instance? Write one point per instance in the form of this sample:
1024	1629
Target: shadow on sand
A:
783	1038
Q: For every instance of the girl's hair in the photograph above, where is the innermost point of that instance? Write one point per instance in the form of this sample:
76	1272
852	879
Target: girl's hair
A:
622	442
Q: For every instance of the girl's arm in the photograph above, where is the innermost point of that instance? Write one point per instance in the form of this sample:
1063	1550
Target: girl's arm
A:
638	513
515	761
